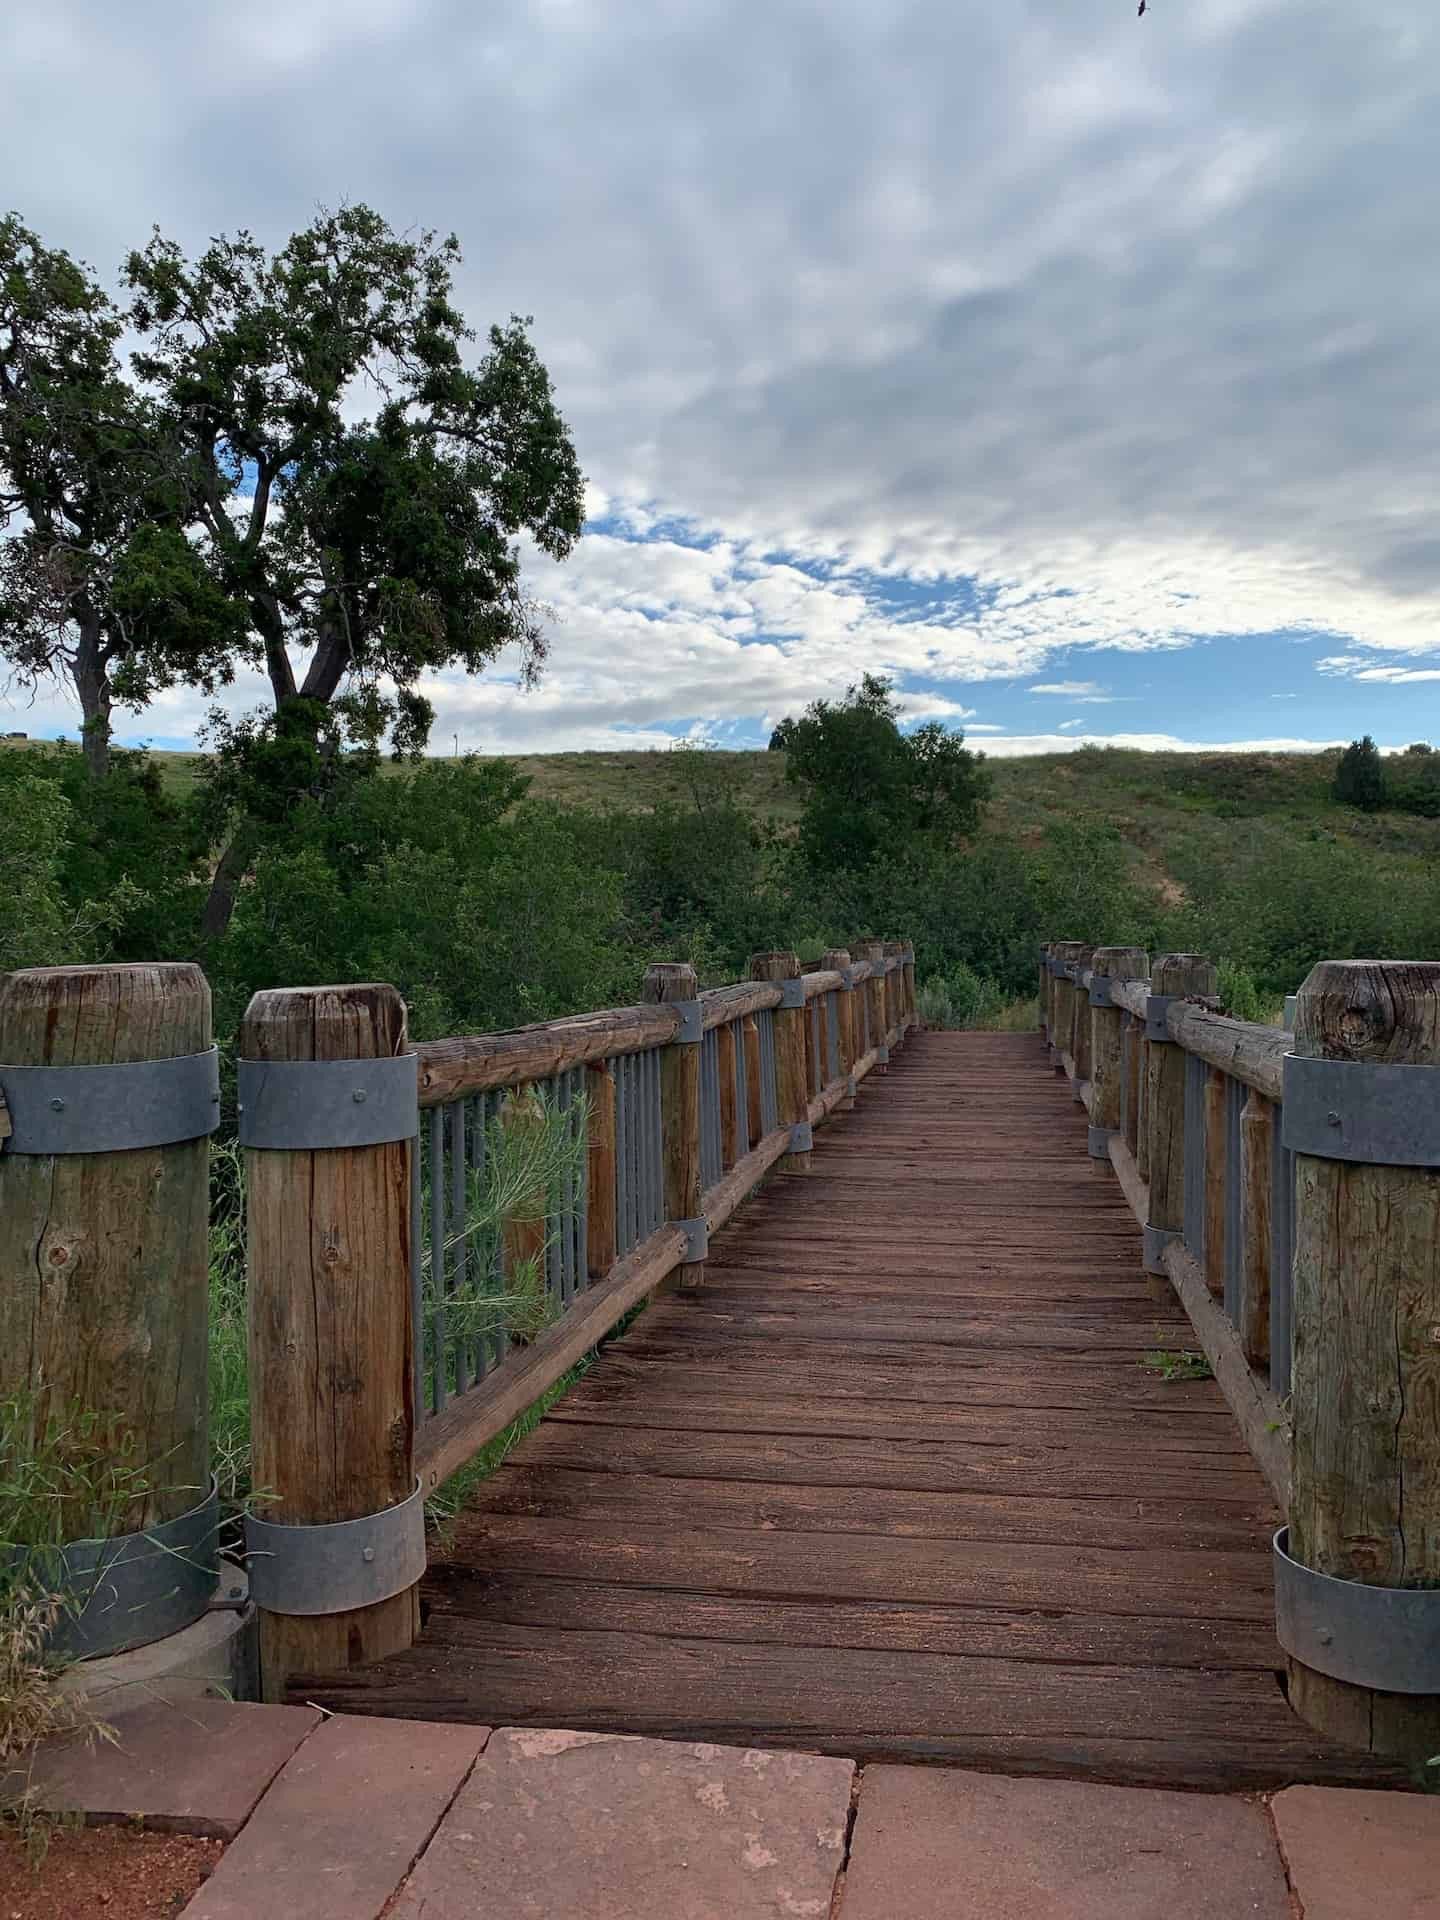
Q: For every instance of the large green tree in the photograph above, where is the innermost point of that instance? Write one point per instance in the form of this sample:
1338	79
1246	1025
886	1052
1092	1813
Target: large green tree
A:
367	549
871	789
99	584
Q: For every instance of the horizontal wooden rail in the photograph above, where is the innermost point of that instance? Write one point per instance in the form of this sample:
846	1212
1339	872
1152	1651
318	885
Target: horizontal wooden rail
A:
720	1005
478	1063
1250	1053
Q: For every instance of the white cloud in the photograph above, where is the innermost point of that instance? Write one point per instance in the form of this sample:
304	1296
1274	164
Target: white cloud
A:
1357	667
1012	745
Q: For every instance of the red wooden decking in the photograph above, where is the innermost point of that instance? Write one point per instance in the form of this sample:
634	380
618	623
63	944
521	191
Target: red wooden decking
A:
894	1483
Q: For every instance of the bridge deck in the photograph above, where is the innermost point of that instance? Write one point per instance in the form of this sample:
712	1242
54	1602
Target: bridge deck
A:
895	1483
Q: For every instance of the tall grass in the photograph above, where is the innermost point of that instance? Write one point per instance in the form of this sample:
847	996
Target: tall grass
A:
534	1150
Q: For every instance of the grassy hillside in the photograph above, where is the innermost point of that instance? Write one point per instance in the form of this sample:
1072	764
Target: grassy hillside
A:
1174	810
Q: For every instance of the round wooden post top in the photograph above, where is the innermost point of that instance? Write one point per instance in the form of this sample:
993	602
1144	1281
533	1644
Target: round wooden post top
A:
1183	973
668	980
1376	1010
94	1016
1121	963
834	958
871	950
780	963
363	1021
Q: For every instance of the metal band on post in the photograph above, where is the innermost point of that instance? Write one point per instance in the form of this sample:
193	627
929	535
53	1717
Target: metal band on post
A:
1156	1240
1100	995
1157	1005
1387	1638
339	1566
1098	1142
1380	1115
691	1014
111	1108
697	1239
802	1137
792	993
300	1105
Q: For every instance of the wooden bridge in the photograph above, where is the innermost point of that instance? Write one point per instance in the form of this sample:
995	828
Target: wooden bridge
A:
894	1481
894	1461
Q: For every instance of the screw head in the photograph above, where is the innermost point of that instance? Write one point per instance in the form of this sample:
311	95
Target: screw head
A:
1324	1636
368	1554
358	1096
1332	1119
57	1106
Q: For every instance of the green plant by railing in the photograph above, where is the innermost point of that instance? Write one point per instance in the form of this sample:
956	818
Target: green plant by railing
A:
66	1475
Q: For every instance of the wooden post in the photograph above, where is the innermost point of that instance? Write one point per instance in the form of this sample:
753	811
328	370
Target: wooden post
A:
813	1080
1106	1053
754	1112
729	1110
1046	983
1366	1497
104	1301
894	993
1174	974
835	960
1062	1004
1079	1041
600	1156
1258	1143
1216	1176
912	1011
332	1411
873	952
665	983
791	1100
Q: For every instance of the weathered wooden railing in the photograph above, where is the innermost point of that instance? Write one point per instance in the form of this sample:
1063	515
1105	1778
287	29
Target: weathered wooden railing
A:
1287	1185
665	1116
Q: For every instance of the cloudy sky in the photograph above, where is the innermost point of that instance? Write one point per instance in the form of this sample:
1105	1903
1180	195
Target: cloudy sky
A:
1080	371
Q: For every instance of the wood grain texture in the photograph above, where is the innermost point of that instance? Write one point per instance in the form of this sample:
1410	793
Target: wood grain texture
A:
665	982
332	1409
1062	1001
894	1484
1173	973
1079	1041
1259	1142
792	1097
755	1113
104	1299
1253	1054
834	959
477	1063
730	1150
1366	1367
1106	1063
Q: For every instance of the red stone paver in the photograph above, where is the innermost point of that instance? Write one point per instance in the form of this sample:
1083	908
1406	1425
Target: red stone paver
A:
344	1822
603	1827
1354	1855
199	1767
932	1845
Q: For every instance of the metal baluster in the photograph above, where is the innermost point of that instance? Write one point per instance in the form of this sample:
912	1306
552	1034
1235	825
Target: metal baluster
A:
490	1107
652	1108
554	1280
479	1147
417	1281
1234	1223
565	1225
437	1255
742	1093
456	1110
832	1022
1195	1153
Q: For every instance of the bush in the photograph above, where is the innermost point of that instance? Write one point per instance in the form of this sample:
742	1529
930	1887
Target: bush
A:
1360	776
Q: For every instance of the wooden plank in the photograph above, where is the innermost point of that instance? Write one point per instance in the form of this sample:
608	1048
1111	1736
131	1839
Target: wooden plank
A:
1054	1634
1026	1469
1115	1520
600	1225
1259	1142
1139	1723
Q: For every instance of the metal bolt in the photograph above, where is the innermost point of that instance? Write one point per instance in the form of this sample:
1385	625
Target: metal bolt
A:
368	1554
1332	1119
1324	1636
57	1106
358	1096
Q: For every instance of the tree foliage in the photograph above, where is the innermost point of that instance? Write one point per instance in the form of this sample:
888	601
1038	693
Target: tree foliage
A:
871	789
1360	776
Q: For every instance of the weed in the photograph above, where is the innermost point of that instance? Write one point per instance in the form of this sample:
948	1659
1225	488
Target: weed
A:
1178	1365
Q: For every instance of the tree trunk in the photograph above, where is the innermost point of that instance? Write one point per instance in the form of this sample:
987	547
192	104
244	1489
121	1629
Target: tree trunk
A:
230	871
92	686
